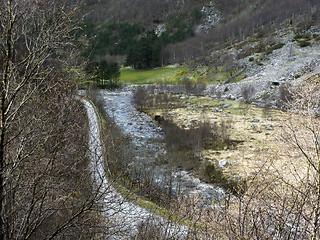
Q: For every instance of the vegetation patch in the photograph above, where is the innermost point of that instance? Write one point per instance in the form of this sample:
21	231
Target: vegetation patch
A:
304	43
246	128
158	75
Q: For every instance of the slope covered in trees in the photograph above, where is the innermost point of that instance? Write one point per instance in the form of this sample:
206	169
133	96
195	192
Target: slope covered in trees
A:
182	41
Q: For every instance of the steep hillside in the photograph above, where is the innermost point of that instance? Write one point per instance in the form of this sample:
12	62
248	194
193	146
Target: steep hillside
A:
145	12
222	35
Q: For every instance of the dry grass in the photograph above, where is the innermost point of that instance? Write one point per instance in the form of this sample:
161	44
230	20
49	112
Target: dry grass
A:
255	143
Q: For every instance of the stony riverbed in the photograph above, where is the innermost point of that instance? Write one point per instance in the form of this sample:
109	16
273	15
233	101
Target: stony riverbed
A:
147	139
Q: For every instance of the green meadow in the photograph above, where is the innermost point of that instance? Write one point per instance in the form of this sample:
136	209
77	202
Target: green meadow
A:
157	75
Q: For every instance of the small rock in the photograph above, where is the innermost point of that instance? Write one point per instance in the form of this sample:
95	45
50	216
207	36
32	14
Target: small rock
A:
223	163
231	97
238	178
255	120
270	127
253	127
259	131
217	109
226	105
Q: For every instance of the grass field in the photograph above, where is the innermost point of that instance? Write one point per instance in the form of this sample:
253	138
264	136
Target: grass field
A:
158	75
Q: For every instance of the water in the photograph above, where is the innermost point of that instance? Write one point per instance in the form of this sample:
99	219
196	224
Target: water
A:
122	217
149	147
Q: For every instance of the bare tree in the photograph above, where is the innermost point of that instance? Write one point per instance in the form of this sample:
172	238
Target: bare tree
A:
285	95
247	92
140	97
45	190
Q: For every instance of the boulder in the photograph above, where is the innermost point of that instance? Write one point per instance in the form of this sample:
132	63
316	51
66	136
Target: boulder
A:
270	127
223	163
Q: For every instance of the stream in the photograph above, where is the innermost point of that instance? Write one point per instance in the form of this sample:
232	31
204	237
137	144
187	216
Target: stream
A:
122	217
147	139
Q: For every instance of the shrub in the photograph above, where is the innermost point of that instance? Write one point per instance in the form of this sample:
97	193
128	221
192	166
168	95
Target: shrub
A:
215	175
140	97
306	36
247	92
270	49
204	135
196	89
261	47
304	43
278	46
285	95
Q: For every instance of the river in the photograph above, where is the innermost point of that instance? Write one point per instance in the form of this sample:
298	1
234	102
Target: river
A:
123	218
147	138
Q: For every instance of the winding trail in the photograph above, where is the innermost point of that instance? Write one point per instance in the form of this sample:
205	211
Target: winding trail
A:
123	218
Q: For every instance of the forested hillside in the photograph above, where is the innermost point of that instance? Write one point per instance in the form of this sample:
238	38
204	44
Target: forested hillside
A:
148	34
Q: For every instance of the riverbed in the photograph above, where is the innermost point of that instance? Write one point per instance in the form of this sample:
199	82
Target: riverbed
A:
147	139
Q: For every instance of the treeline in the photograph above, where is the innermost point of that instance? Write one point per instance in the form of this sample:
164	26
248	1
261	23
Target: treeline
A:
105	74
142	48
144	12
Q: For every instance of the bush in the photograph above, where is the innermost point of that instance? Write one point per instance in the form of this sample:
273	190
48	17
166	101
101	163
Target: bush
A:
261	47
147	229
304	43
196	89
140	97
285	95
270	49
278	46
247	92
306	36
215	175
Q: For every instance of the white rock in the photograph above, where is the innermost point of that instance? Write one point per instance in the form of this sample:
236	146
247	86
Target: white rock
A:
223	163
